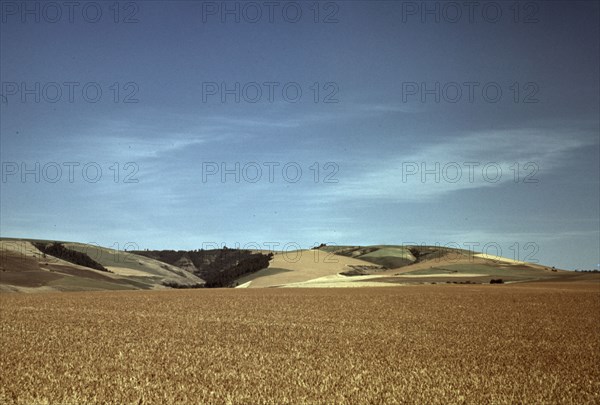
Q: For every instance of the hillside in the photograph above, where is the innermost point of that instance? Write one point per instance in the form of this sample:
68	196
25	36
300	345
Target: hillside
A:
388	265
25	268
71	266
218	267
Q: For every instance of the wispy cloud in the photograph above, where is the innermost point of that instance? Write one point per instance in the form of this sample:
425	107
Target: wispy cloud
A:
475	160
380	108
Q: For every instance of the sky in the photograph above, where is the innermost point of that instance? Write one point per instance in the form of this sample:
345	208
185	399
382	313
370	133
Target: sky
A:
194	124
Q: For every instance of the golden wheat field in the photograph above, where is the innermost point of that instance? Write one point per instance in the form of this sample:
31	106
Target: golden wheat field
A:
536	343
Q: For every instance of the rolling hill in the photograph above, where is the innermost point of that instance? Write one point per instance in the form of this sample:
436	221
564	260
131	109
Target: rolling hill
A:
24	267
29	265
218	267
389	265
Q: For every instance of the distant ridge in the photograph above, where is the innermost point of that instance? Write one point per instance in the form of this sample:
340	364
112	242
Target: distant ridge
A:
32	265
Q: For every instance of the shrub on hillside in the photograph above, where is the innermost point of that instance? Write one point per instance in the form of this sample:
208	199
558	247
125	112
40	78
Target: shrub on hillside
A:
218	267
69	255
175	284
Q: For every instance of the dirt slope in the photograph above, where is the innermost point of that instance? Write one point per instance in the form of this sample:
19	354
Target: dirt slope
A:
24	268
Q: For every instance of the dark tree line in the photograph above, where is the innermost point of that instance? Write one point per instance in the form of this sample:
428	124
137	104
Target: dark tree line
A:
69	255
218	267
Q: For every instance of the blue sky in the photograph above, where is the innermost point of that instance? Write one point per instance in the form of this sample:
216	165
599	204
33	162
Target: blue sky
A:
371	122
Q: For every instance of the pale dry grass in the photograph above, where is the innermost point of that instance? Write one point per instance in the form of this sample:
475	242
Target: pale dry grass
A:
21	247
498	258
423	344
302	265
25	250
340	281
